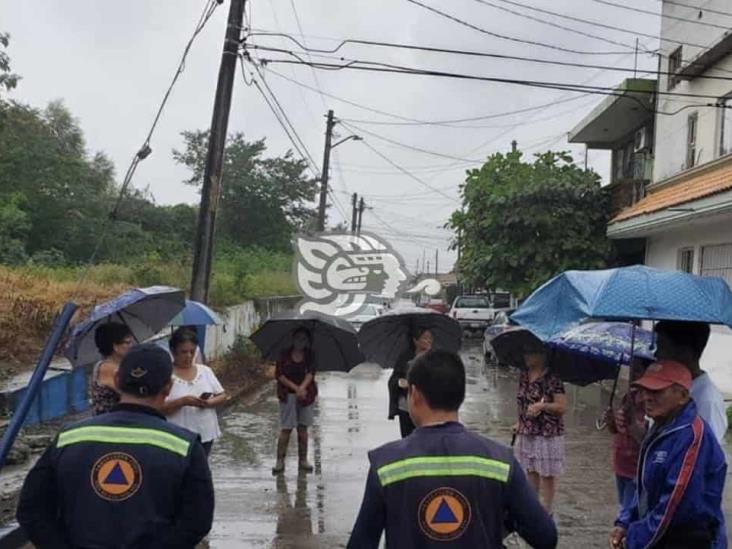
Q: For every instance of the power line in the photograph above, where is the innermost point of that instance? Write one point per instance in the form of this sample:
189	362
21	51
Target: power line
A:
589	22
373	66
315	74
661	14
145	150
559	26
286	128
406	172
413	121
505	37
697	8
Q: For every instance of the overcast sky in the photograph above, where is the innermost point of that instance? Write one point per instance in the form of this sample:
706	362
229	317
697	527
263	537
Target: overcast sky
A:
110	62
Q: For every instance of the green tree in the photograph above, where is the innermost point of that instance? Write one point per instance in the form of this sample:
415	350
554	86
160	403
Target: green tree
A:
264	200
14	227
8	80
522	223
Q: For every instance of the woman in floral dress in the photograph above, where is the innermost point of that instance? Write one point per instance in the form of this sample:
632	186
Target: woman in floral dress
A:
540	427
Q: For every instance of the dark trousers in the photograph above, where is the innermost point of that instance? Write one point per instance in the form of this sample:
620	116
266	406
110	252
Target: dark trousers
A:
406	426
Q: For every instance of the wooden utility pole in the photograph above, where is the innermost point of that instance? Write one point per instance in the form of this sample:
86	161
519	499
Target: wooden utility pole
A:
211	191
354	212
361	208
326	165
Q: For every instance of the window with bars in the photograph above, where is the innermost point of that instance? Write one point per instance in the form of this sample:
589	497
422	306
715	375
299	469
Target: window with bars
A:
692	125
674	65
686	260
717	261
725	126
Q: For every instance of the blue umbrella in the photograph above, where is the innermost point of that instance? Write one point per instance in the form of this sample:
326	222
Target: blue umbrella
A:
145	311
595	351
627	293
195	314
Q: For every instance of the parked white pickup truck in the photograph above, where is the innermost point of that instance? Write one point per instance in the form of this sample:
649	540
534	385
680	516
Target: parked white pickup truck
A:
473	312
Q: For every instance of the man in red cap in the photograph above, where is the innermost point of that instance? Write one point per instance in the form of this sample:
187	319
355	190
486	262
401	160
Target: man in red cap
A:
681	471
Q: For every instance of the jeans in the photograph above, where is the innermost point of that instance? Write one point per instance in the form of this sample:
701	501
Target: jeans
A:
626	490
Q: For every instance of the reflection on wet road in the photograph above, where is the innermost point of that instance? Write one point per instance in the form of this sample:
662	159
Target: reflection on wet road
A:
255	509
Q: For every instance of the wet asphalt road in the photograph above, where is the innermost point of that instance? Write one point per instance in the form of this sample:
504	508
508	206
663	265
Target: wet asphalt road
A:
255	509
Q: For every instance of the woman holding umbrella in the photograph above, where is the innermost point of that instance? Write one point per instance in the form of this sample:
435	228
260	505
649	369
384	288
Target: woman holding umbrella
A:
296	392
113	340
421	341
540	427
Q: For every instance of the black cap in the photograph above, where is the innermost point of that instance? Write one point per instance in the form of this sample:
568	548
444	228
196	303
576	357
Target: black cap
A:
145	370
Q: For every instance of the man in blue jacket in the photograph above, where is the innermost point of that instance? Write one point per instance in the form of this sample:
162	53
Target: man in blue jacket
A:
443	486
126	479
681	471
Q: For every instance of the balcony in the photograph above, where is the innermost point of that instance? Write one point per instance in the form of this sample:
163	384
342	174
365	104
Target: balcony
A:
618	116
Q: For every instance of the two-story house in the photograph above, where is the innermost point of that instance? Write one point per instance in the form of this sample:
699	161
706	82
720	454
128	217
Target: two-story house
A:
684	215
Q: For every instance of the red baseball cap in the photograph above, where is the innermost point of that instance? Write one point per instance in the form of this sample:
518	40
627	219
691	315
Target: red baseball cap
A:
663	374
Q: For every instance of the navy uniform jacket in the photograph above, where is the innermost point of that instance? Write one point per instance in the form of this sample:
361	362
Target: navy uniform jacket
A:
443	486
126	479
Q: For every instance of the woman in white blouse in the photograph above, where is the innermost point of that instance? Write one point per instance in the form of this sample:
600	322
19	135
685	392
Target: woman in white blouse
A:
196	393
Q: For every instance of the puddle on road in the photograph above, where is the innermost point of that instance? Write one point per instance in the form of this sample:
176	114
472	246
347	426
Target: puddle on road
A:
255	509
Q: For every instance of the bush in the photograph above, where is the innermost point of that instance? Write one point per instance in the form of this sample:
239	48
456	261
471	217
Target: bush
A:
729	417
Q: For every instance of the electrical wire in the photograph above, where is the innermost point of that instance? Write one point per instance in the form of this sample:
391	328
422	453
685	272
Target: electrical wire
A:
510	38
373	66
145	150
589	22
559	26
315	73
697	8
661	14
406	172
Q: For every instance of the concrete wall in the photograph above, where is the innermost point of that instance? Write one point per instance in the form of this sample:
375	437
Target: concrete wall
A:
671	131
661	252
65	389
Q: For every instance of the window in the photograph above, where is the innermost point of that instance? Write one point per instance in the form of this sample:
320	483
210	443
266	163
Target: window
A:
725	126
618	159
674	65
691	130
717	261
472	303
686	260
501	300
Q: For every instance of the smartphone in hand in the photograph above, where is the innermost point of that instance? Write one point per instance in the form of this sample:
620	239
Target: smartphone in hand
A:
205	396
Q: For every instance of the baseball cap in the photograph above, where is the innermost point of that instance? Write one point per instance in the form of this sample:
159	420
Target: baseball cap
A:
145	370
664	373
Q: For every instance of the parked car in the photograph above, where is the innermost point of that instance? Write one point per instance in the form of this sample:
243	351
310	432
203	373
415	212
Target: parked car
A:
473	312
500	323
367	313
436	305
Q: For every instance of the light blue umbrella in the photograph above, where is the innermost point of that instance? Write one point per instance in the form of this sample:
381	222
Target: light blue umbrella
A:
145	311
195	314
627	293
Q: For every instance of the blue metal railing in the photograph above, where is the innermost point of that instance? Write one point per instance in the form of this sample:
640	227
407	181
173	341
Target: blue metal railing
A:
34	385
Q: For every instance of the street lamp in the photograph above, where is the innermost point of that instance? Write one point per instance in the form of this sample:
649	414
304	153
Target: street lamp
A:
326	163
354	137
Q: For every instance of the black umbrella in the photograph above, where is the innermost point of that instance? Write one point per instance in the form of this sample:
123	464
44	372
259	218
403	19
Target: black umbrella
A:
385	338
335	347
510	344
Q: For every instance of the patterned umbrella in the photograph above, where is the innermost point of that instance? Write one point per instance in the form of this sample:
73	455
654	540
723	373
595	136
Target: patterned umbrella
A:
594	351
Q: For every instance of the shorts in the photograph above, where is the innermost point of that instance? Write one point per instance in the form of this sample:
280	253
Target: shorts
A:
293	415
543	455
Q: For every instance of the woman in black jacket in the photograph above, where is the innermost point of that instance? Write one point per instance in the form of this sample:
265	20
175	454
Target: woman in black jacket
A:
420	342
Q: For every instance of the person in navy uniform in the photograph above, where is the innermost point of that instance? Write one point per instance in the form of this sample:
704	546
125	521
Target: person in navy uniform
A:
443	486
126	479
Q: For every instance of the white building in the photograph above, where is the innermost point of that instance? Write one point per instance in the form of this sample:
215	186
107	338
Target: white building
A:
683	216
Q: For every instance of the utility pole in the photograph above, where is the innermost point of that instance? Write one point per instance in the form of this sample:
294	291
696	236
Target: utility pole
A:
514	145
361	208
437	258
354	214
326	165
211	191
